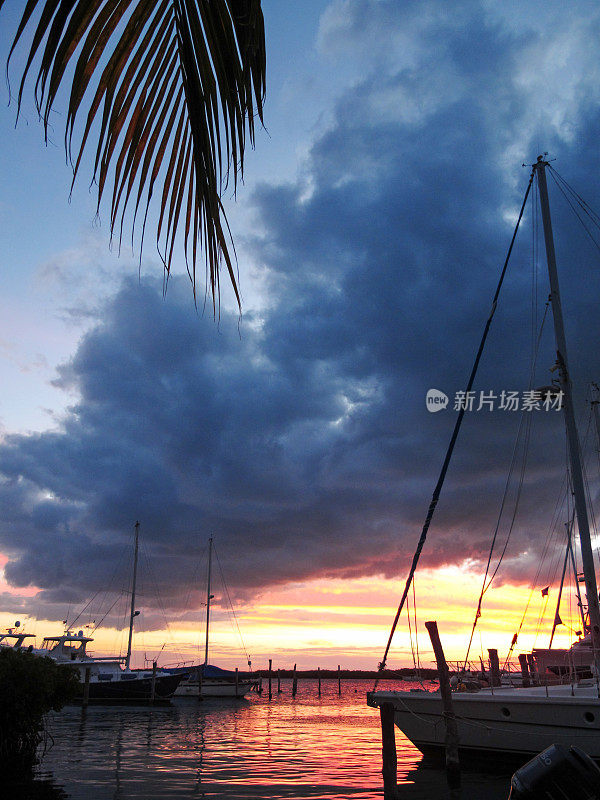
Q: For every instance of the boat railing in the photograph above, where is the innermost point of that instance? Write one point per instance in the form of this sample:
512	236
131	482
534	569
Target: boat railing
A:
120	659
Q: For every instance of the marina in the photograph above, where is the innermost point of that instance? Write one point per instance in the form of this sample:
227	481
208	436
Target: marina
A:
296	295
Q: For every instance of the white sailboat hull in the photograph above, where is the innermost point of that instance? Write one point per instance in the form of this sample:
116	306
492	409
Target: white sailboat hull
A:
509	722
215	688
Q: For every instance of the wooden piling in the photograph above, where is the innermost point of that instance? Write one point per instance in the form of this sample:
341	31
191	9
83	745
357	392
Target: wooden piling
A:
339	680
86	688
494	667
278	681
270	668
294	682
389	768
452	762
319	679
153	684
524	669
532	670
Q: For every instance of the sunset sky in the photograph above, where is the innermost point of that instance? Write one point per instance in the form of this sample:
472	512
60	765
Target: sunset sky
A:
371	227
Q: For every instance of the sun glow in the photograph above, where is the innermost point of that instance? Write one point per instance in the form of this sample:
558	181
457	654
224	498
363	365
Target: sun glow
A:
323	623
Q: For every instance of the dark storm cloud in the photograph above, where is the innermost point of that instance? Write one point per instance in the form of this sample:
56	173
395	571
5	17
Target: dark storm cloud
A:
304	444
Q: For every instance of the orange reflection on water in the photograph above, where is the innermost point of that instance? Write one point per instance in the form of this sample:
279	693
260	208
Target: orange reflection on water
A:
324	748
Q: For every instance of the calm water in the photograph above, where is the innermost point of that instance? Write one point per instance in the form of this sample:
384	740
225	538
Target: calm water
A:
325	748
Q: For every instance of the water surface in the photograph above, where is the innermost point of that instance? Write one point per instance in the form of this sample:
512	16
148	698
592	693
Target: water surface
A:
324	748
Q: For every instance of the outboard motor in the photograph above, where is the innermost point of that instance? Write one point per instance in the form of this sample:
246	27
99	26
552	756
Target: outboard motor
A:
557	773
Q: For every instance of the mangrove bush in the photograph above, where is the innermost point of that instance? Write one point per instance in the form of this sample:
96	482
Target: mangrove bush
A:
30	687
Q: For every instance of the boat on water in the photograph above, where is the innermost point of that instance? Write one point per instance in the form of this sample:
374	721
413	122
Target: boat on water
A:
506	721
554	665
107	679
110	679
206	680
521	721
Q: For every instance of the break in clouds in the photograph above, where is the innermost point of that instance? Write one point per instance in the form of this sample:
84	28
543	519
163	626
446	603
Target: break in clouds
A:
300	438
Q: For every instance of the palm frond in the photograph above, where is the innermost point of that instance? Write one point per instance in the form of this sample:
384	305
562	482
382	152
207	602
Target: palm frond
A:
171	89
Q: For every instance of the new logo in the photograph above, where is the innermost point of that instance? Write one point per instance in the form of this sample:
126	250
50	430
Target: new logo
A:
436	400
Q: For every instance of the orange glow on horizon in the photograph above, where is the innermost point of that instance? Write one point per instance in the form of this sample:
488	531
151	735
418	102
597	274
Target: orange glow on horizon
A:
323	623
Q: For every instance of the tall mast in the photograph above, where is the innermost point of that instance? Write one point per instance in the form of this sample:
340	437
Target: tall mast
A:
587	556
209	597
132	611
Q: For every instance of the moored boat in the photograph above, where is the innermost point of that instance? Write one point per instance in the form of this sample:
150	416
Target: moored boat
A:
521	721
109	680
504	721
206	680
210	681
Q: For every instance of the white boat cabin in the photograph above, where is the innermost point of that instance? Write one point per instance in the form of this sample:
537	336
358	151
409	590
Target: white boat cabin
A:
68	647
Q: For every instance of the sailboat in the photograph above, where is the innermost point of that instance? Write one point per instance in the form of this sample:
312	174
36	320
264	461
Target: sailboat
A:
206	680
521	721
110	679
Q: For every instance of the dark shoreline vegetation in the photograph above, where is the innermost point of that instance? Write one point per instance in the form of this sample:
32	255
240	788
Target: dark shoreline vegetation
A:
30	687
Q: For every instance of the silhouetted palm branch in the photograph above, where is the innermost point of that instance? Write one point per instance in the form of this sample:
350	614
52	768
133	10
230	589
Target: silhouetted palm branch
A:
179	83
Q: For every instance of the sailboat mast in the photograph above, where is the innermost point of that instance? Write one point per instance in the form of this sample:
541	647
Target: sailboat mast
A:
133	582
208	598
587	556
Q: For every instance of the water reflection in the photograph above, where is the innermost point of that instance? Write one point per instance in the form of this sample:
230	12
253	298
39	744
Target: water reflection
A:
326	747
35	790
118	750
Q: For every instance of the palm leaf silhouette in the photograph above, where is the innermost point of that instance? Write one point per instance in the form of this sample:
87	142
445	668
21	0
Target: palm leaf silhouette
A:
171	88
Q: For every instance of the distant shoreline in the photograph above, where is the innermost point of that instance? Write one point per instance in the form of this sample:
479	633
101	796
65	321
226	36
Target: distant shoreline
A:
404	673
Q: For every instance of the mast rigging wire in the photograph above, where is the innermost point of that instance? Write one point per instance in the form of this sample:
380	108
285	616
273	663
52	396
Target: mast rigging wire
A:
525	421
245	650
567	190
440	482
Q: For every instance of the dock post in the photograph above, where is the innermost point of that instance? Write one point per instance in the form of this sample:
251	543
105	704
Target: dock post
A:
153	684
200	684
319	678
339	680
270	668
452	762
389	768
237	682
278	681
294	682
524	669
494	667
86	688
532	670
